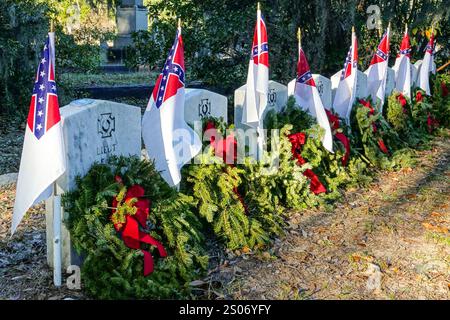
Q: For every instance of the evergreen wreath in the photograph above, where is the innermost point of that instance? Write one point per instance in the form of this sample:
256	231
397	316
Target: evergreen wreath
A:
399	116
235	217
441	99
111	270
423	113
380	144
335	170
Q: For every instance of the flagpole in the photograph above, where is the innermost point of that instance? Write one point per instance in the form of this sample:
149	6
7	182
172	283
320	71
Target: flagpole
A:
260	127
57	265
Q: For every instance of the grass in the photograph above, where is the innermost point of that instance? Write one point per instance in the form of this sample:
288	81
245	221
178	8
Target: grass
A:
79	80
438	238
69	82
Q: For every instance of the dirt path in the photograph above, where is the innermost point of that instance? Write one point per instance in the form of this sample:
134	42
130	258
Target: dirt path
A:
388	242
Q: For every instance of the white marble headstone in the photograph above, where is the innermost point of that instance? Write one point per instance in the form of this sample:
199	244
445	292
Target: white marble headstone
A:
93	131
390	82
323	85
361	84
202	103
276	100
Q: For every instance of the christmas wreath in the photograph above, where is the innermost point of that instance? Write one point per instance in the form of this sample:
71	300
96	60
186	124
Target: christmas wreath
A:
423	112
139	237
380	144
399	116
215	182
441	99
329	171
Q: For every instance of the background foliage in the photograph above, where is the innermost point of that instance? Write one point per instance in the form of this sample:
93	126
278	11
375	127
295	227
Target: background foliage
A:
217	36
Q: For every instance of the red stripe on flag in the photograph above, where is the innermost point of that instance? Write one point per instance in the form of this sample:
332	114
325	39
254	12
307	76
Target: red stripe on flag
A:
53	116
156	88
172	86
30	120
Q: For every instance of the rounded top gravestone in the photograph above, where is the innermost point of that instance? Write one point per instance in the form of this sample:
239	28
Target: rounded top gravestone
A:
323	86
200	103
276	100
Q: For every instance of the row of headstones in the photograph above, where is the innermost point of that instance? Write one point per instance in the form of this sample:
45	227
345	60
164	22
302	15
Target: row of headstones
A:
96	129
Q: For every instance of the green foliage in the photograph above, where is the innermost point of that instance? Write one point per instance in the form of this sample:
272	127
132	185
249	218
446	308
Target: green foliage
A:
110	269
422	107
441	99
291	114
279	179
218	34
370	131
328	166
22	32
76	56
147	49
215	187
402	121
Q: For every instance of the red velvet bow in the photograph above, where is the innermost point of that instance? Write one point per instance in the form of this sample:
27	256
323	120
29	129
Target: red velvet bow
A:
334	122
419	96
401	98
132	236
227	150
297	141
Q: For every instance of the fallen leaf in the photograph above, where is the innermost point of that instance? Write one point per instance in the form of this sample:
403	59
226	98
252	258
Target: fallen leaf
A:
246	249
436	214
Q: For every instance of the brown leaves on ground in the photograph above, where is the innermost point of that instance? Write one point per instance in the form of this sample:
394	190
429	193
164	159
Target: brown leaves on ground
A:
390	241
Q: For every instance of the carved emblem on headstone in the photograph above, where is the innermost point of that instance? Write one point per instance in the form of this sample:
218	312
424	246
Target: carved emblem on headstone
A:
106	125
319	86
272	97
204	108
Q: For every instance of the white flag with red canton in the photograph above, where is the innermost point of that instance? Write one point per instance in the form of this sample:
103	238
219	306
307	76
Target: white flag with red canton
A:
307	97
377	72
257	81
427	66
346	90
43	155
167	137
402	67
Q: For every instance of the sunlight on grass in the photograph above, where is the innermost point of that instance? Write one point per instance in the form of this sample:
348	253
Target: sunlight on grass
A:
78	80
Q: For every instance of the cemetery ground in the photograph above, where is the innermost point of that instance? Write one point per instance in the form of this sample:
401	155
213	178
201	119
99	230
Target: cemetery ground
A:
388	241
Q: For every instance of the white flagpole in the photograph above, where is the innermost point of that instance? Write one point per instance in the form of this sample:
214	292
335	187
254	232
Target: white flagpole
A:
259	129
57	277
56	238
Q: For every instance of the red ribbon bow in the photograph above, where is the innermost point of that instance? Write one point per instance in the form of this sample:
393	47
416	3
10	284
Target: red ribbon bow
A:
334	121
298	140
227	150
432	123
401	98
132	236
381	144
419	96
